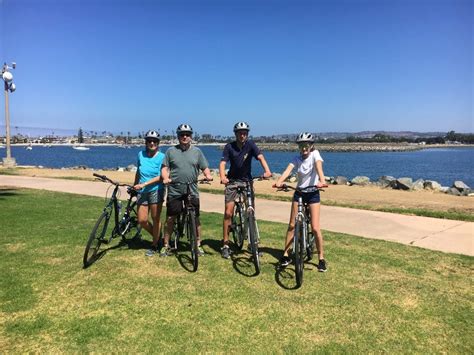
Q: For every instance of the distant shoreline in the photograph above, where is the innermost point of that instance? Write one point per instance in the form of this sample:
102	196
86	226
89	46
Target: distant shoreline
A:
283	147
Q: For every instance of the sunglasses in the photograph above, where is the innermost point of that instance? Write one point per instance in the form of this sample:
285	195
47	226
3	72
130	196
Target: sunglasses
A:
185	134
155	141
304	145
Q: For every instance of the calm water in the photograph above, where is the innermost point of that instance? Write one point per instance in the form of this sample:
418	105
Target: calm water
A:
442	165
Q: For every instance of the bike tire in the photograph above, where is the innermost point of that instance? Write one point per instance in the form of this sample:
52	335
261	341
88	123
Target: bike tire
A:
310	246
237	229
299	252
95	239
193	241
177	232
253	236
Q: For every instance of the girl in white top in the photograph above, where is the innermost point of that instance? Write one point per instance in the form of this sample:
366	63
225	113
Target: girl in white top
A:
309	167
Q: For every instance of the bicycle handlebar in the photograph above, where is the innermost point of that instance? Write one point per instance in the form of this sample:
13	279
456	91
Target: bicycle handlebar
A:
104	178
286	187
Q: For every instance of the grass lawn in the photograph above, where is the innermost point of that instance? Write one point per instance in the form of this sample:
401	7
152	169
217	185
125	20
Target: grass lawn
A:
376	297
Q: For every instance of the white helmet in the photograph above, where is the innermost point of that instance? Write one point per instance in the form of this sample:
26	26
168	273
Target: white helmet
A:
241	126
152	134
305	137
184	128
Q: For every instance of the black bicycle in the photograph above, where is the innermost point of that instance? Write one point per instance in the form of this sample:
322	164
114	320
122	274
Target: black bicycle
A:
303	237
125	220
185	225
244	223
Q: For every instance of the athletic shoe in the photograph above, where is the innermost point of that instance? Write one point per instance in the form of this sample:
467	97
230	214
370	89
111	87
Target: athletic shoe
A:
225	251
322	266
201	251
165	251
150	252
285	261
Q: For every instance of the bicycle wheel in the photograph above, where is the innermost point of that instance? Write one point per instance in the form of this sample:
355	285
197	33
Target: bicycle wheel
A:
237	227
298	241
177	232
253	236
129	224
96	238
311	241
193	242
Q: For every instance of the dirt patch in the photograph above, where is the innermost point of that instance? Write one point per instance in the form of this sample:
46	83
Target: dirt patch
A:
351	195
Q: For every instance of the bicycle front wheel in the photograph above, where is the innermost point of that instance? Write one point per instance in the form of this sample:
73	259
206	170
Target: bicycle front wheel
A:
298	241
237	228
253	236
193	240
95	239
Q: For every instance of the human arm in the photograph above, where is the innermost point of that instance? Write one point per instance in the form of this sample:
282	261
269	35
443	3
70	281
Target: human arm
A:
224	179
207	174
165	174
155	180
284	175
319	170
267	173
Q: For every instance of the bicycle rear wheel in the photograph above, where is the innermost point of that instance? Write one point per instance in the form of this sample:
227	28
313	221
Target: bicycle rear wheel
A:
95	239
253	236
311	241
193	241
237	228
177	232
298	240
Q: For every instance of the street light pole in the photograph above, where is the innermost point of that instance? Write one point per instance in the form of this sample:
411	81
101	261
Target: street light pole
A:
7	77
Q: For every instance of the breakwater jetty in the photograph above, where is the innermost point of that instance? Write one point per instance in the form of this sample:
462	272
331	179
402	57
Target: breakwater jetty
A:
352	147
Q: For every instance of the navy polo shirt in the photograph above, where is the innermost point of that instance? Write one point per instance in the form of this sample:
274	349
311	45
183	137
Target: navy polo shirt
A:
240	159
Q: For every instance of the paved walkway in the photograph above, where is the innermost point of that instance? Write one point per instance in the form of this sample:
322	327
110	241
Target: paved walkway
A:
431	233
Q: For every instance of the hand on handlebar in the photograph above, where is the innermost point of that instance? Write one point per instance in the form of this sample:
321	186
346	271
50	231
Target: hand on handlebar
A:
321	185
167	181
267	175
224	181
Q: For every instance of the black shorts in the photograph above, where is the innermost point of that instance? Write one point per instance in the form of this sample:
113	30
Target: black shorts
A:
175	206
308	197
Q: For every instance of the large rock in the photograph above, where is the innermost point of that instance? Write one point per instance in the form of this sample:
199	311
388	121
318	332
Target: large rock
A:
360	180
131	168
386	181
340	180
432	185
418	185
292	179
453	191
460	186
404	183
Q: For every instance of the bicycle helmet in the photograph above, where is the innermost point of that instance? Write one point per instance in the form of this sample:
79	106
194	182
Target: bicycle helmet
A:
305	137
184	128
241	126
151	134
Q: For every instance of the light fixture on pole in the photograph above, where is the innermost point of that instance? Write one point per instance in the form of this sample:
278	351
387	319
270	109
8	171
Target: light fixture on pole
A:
9	86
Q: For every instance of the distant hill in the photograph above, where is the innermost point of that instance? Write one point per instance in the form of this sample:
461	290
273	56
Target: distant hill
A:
366	134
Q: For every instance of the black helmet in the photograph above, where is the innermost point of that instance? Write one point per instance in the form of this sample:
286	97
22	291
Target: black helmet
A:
184	128
241	126
305	137
151	134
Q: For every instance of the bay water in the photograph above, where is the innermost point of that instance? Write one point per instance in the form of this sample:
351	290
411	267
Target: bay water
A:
444	165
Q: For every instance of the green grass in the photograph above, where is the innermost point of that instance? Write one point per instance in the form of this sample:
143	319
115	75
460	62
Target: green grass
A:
376	297
454	215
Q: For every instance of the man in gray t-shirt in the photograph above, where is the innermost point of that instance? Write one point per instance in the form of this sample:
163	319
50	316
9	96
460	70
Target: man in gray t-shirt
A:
181	165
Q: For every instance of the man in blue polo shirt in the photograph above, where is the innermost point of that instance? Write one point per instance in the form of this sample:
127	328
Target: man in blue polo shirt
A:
239	153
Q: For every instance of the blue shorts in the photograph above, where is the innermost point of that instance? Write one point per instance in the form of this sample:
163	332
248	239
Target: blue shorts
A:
308	197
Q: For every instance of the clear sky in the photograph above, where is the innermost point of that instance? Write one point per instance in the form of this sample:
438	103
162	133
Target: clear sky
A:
283	66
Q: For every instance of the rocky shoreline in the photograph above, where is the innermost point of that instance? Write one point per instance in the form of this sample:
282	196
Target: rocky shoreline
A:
458	188
356	147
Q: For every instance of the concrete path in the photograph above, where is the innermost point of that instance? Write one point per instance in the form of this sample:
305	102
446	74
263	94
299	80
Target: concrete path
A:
431	233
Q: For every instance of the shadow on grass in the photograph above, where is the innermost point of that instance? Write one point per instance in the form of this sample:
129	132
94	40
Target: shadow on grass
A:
7	192
285	276
134	243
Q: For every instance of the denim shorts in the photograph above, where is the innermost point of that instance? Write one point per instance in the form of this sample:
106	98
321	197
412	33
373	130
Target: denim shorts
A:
308	197
151	198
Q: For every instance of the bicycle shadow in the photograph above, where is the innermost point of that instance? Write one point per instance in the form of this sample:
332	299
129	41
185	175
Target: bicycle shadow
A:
7	192
243	264
134	243
285	276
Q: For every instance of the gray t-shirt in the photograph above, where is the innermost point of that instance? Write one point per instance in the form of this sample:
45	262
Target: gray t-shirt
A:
184	166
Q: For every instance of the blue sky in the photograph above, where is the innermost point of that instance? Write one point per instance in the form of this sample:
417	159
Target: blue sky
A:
282	66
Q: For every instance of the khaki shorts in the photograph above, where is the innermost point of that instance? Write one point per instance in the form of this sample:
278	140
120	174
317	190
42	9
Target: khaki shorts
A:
231	191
